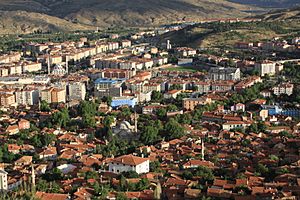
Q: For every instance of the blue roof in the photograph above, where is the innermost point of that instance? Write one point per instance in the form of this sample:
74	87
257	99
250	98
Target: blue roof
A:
108	80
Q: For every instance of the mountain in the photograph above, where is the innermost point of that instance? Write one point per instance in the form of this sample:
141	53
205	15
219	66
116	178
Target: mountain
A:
269	3
84	14
283	14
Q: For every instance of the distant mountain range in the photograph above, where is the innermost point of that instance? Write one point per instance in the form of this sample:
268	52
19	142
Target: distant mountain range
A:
270	3
24	16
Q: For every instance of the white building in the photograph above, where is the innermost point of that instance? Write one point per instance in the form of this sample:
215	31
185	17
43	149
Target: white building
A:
128	163
77	91
3	180
284	88
265	68
27	97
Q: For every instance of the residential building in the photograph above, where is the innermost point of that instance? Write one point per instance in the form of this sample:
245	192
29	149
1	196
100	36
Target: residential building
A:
7	100
283	88
76	91
3	180
224	74
192	103
108	87
128	163
123	101
265	68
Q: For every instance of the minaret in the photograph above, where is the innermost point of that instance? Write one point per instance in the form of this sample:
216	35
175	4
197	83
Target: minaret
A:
202	149
32	175
67	65
135	122
49	64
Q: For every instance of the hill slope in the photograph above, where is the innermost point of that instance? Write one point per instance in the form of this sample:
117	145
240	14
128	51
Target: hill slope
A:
104	13
270	3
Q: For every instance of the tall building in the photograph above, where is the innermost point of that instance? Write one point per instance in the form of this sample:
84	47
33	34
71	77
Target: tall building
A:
7	99
27	97
53	95
225	74
77	91
58	95
3	180
108	87
265	68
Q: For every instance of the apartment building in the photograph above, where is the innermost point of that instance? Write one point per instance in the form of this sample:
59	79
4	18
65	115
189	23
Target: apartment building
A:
284	88
224	74
76	91
192	103
265	68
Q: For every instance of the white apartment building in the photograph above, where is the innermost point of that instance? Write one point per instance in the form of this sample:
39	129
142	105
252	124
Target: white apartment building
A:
3	180
128	163
284	88
27	97
265	68
77	91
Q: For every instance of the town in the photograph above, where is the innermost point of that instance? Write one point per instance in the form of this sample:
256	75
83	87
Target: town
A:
130	117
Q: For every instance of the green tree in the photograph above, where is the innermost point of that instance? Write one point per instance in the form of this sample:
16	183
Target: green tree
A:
161	113
156	96
44	106
149	135
205	173
173	129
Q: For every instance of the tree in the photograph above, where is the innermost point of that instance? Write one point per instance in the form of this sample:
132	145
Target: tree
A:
156	96
121	196
205	173
149	135
106	99
45	106
171	107
108	120
173	129
175	87
161	113
88	111
61	118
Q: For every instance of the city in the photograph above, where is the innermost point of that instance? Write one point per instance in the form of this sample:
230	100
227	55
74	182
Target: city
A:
145	114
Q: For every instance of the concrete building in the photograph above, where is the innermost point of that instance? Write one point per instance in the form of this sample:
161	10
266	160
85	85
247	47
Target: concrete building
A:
7	99
123	101
284	88
265	68
76	91
224	74
3	180
27	97
128	163
53	95
108	87
192	103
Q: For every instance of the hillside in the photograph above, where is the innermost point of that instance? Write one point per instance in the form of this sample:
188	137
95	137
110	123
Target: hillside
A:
284	14
27	22
269	3
61	15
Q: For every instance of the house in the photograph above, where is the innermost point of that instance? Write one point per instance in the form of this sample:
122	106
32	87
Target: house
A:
235	124
24	160
192	103
23	124
197	163
238	107
172	94
48	196
12	129
49	153
128	163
